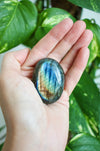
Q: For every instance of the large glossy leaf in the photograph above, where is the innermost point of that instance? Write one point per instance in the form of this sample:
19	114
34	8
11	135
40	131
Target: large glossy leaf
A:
77	121
17	22
88	98
83	142
95	43
89	4
47	20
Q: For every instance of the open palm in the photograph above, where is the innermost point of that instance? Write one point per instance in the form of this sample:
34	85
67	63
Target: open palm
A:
47	125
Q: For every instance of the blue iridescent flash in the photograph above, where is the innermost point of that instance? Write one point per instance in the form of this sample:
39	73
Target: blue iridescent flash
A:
48	78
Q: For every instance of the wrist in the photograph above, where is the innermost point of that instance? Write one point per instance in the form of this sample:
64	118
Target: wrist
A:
17	141
23	137
21	141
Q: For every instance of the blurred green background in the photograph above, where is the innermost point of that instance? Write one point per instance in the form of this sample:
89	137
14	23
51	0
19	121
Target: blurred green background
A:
29	21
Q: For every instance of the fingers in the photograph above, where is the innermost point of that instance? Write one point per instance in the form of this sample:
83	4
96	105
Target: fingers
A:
46	44
68	41
75	72
13	60
83	41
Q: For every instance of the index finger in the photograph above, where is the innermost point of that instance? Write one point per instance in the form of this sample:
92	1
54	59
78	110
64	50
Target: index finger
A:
48	42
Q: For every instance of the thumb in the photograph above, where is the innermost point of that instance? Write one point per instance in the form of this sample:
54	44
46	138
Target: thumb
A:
13	60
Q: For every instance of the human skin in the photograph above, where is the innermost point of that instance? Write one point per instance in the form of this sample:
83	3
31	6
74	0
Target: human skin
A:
31	124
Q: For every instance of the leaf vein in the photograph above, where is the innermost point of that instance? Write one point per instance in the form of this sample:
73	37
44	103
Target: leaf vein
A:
11	18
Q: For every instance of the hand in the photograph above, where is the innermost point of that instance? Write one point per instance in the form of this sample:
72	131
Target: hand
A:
32	125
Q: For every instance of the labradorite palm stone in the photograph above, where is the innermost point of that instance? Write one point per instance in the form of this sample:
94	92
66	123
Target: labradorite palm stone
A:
48	78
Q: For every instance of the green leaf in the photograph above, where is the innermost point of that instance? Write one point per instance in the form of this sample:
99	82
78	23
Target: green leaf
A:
95	66
88	98
83	142
68	149
89	4
47	20
77	121
95	43
94	71
1	147
17	22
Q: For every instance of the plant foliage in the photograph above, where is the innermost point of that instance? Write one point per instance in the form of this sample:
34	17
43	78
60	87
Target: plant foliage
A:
84	142
26	22
17	22
89	4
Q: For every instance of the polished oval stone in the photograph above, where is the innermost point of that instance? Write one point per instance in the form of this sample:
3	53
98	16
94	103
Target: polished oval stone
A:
48	78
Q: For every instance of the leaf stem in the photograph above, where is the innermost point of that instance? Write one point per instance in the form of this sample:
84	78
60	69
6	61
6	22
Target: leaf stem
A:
43	4
48	3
